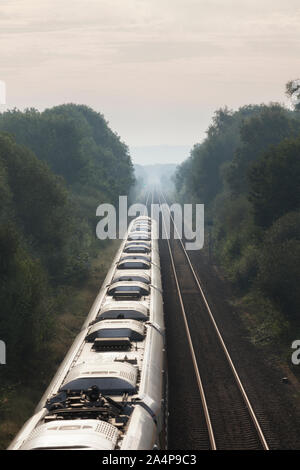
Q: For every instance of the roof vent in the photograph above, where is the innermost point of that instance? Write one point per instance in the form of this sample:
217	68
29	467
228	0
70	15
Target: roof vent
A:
128	290
112	344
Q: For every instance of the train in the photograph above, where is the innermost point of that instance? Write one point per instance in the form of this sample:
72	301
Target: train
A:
110	391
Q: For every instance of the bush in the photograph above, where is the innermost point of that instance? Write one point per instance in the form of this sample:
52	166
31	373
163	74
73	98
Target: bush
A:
279	269
265	321
275	183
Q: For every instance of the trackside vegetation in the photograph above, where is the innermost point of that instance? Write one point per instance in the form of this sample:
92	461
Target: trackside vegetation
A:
247	173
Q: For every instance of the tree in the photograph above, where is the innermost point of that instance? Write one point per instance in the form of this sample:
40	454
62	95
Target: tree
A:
279	267
268	127
275	182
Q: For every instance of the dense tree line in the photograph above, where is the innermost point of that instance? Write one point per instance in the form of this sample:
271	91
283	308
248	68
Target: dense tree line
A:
247	173
56	167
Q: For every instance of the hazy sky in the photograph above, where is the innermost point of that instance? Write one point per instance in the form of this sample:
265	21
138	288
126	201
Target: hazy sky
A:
157	69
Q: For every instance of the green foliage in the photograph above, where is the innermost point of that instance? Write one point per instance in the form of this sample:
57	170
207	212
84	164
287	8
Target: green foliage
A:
56	167
235	239
264	319
201	176
275	182
24	298
279	267
77	144
268	127
41	208
247	172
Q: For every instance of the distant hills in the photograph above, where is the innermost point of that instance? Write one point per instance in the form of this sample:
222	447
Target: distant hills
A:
155	175
153	154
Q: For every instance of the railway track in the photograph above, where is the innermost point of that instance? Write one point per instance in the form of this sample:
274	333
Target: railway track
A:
222	416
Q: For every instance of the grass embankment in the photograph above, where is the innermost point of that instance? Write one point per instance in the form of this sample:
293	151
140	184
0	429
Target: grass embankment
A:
269	330
19	398
268	327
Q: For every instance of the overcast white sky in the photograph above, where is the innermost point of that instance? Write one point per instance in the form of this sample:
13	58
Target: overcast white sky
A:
157	69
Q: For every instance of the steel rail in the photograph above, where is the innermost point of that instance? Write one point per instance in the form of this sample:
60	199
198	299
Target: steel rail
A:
236	376
198	377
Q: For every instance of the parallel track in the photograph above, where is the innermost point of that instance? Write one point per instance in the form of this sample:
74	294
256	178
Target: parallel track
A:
229	418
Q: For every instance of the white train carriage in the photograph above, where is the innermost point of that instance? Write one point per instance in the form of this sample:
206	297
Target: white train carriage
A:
108	392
